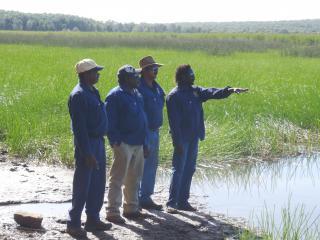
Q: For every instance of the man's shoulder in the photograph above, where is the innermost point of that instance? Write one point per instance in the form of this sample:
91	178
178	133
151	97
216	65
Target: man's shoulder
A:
138	93
76	90
77	97
174	93
195	87
77	94
114	92
158	86
142	88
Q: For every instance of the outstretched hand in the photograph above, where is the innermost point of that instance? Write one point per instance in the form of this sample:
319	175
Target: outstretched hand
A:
238	90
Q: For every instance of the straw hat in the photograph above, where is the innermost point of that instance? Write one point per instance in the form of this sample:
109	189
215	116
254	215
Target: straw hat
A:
148	61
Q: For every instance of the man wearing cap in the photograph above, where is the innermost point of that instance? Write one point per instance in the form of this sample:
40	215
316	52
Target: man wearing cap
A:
185	114
127	125
153	96
89	125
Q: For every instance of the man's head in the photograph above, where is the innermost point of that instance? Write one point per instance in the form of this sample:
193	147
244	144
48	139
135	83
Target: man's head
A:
149	67
87	70
128	76
185	75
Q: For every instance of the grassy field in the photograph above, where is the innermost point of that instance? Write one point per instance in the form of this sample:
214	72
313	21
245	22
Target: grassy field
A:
279	116
305	45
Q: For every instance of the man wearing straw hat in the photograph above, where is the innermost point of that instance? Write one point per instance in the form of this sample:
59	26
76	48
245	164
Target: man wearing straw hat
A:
153	97
89	125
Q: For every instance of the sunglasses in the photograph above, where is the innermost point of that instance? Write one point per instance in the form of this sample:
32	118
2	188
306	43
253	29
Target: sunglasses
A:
153	69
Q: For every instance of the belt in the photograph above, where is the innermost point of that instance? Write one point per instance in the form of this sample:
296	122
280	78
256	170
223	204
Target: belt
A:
95	136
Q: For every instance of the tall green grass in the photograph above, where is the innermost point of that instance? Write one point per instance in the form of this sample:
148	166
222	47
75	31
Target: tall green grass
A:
296	223
279	116
221	44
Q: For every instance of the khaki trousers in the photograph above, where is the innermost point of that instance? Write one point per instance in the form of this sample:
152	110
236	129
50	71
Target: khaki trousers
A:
126	170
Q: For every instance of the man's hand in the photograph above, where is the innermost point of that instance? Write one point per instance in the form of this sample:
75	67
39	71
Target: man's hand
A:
146	152
238	90
115	145
178	149
91	162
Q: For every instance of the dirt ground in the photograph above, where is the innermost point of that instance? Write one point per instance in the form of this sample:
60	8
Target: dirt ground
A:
24	182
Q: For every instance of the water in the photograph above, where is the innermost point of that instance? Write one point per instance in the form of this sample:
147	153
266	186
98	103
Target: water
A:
242	189
249	190
45	209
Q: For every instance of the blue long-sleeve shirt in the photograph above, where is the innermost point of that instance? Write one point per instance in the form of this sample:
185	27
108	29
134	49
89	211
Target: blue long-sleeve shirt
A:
185	112
153	98
127	121
88	116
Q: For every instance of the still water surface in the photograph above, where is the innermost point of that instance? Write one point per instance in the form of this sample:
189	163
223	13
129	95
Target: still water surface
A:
249	189
244	189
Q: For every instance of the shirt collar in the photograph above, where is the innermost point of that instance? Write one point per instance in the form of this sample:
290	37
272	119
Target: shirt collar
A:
126	89
143	82
87	87
184	88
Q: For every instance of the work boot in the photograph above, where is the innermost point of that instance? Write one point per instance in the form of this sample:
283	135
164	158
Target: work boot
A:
187	207
171	210
76	232
93	226
134	215
117	219
151	205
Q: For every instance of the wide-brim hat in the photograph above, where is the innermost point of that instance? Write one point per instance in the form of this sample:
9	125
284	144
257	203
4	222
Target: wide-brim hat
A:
147	62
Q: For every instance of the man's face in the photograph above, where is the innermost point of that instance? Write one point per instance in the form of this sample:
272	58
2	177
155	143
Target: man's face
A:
151	72
133	80
189	78
93	76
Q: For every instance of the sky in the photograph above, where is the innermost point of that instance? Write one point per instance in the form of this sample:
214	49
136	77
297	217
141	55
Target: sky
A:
167	11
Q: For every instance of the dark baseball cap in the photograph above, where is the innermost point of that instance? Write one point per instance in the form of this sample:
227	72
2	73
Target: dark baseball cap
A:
128	70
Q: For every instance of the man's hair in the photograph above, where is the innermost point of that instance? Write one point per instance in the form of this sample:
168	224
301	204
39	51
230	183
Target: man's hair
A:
181	72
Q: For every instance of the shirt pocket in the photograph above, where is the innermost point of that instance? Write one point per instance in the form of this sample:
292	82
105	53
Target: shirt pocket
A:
95	109
150	103
189	107
133	108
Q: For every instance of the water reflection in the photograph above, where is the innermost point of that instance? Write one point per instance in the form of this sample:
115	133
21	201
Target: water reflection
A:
248	188
45	209
262	176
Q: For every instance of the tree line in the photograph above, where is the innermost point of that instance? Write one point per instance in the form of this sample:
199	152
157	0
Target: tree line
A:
11	20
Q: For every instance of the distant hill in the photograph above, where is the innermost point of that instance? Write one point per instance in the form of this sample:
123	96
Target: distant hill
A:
11	20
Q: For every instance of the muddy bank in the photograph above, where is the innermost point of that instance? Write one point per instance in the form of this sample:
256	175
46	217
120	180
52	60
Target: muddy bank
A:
27	185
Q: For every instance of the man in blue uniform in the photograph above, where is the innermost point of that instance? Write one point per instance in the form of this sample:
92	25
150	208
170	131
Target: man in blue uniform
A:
153	97
127	125
89	125
185	114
